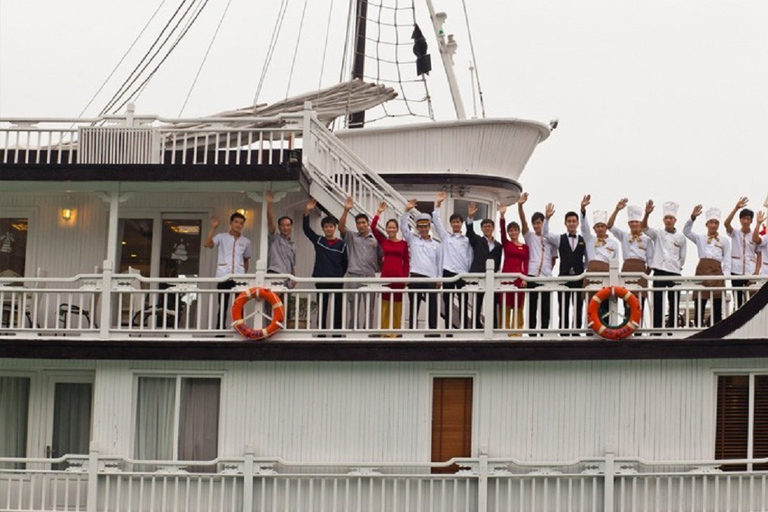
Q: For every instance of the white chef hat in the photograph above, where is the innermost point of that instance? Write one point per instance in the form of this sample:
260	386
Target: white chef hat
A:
670	208
713	214
634	212
599	217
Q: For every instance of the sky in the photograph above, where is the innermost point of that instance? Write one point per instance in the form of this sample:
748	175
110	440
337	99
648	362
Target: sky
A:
655	99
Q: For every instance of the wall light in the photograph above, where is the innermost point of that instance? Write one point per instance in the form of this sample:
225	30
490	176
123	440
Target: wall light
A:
241	211
66	213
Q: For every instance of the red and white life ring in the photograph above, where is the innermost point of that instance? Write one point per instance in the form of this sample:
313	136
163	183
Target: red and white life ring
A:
278	313
631	319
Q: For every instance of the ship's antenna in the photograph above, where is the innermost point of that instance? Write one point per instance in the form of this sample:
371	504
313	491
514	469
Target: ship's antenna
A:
447	49
473	68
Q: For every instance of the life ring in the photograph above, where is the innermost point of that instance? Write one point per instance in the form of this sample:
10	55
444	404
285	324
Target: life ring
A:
632	316
278	313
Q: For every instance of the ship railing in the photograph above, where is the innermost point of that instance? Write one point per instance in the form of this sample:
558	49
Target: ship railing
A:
471	306
112	483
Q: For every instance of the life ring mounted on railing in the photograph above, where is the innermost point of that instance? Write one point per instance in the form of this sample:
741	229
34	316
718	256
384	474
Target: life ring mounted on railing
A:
278	313
632	313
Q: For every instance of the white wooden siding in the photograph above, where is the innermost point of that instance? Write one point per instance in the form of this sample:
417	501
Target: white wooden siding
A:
381	411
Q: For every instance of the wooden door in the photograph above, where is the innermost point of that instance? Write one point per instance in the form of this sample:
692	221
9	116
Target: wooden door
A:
451	420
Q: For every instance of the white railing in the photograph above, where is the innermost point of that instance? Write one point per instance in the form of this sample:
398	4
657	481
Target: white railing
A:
108	483
488	306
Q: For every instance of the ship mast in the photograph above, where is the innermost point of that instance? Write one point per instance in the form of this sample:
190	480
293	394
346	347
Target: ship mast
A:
446	54
357	119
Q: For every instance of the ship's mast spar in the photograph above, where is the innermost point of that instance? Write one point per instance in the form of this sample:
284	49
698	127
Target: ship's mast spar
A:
357	119
446	54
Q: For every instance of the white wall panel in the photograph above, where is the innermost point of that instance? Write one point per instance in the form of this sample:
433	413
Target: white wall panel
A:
381	411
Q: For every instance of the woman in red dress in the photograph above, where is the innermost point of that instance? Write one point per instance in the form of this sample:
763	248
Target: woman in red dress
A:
396	263
515	260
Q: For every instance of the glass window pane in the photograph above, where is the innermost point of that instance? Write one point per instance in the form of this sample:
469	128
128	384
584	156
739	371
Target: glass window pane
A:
136	245
155	418
13	246
199	422
14	409
180	250
483	211
71	419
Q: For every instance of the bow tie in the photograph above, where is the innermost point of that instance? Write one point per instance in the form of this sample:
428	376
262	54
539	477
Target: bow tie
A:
635	238
712	237
599	242
571	236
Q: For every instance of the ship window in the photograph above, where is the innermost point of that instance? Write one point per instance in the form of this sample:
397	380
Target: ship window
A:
14	409
136	245
13	246
177	418
461	206
740	412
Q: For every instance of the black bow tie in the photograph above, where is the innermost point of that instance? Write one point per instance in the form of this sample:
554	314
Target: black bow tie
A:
571	236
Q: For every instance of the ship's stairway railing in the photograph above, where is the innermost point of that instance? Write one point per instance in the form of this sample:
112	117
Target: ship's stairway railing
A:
110	483
109	305
333	172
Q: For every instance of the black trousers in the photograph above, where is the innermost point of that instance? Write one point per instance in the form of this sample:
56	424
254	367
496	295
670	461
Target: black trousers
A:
535	301
458	320
325	301
673	299
417	298
564	301
223	315
740	295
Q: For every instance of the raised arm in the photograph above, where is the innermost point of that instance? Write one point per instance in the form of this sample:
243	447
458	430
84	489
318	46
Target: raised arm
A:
311	204
348	205
503	225
471	212
648	210
688	227
375	223
619	206
405	229
741	203
211	232
436	220
756	232
585	230
521	213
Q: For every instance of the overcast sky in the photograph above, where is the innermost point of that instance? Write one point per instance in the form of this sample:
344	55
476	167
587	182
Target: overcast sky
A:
656	99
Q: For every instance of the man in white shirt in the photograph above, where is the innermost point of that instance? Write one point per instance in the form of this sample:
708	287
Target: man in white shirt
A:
761	240
714	260
743	249
426	261
636	246
233	257
457	258
668	258
542	254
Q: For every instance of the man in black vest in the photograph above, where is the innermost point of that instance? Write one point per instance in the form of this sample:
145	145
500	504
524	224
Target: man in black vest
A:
573	257
485	248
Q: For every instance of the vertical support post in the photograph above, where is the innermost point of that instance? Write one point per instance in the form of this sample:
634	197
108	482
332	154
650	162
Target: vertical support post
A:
614	279
610	471
93	477
488	303
248	478
482	480
106	300
114	214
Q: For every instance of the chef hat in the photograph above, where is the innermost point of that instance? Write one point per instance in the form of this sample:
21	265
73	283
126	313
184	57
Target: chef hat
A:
599	217
670	208
713	214
634	212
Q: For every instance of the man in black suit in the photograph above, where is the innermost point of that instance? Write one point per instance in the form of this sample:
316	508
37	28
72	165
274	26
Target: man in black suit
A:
484	248
573	258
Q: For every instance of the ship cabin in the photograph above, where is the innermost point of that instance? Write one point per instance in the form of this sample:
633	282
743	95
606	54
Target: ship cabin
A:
124	385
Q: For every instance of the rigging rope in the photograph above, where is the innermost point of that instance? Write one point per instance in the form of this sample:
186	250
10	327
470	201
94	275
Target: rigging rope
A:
205	57
121	90
143	85
125	55
474	59
271	48
325	46
295	50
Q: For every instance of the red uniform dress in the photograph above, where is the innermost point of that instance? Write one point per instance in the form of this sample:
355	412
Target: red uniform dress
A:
515	260
396	260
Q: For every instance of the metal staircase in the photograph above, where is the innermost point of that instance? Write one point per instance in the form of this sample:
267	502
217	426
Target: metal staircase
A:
334	172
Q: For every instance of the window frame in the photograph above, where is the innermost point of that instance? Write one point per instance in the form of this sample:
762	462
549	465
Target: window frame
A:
178	377
30	256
